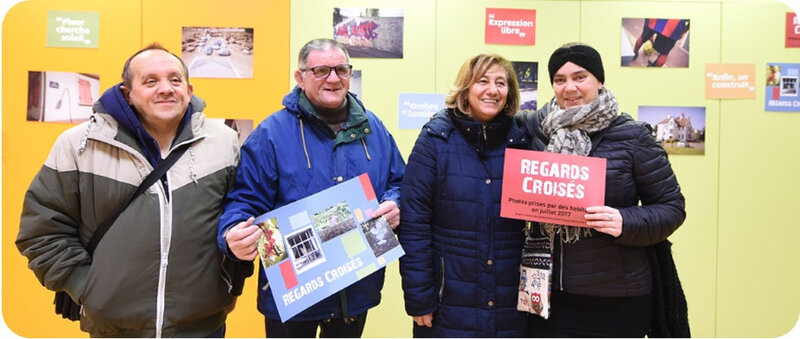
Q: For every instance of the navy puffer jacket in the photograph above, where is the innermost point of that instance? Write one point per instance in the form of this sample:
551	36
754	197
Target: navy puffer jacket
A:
638	170
462	260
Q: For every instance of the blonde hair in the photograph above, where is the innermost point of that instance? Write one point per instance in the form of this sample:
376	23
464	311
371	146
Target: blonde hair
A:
472	70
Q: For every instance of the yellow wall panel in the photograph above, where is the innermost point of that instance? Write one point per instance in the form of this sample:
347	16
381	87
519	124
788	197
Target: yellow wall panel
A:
254	98
248	98
759	261
695	241
27	306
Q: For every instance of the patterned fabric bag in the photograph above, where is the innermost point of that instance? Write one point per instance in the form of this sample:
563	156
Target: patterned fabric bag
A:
535	272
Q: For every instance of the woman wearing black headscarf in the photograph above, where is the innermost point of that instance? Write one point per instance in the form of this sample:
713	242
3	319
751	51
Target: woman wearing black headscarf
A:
599	277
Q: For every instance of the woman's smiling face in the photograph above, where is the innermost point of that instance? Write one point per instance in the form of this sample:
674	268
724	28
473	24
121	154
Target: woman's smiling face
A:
575	86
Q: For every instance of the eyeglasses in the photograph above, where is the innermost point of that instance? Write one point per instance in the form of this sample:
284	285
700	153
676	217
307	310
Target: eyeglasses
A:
324	71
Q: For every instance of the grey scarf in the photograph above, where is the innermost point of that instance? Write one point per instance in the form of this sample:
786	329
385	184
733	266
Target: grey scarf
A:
569	131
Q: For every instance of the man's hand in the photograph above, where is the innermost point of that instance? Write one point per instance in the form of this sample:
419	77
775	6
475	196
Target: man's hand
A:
242	239
390	211
231	306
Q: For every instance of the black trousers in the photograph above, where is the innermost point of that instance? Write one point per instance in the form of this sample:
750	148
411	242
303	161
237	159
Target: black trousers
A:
329	328
573	315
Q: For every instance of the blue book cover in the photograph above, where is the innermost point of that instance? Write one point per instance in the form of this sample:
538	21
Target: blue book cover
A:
317	246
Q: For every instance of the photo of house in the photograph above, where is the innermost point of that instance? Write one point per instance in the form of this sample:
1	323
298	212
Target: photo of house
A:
679	129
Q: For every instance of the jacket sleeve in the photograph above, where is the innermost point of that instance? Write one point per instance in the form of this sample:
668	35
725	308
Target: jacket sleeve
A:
662	208
48	233
415	234
254	189
238	270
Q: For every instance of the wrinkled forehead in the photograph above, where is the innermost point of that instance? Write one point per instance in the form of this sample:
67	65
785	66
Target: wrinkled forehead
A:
155	61
329	56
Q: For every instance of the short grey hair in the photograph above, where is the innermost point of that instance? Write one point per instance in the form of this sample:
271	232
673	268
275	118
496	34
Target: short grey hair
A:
319	45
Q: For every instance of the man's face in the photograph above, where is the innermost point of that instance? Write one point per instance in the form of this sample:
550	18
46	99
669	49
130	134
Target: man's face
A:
328	92
159	90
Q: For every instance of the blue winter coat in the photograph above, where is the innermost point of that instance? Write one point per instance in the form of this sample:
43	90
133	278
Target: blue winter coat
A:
462	259
293	154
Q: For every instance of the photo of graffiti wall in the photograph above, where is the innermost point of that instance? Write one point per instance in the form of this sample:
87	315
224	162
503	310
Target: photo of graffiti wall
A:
218	52
369	32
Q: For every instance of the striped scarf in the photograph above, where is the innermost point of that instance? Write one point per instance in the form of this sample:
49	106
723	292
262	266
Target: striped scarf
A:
569	131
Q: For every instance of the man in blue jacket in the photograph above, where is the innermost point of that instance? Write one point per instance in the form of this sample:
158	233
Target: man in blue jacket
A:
323	136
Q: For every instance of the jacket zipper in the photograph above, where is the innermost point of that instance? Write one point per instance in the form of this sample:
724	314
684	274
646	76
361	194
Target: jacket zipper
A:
561	264
165	208
441	282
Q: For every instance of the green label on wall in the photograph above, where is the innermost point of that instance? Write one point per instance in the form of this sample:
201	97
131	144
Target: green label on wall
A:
72	29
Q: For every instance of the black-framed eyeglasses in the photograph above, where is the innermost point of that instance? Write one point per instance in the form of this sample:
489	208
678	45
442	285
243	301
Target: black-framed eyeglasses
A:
324	71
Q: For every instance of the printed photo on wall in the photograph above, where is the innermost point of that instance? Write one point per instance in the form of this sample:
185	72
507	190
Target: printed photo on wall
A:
679	129
651	42
333	221
65	97
243	127
781	90
218	52
355	84
528	79
369	32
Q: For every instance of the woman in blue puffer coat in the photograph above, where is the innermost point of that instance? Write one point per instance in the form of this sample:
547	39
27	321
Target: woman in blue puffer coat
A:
460	272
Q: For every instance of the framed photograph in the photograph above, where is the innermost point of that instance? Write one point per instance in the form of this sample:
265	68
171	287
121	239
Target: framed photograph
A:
679	129
655	42
369	32
305	249
379	235
243	127
355	84
334	221
218	52
528	79
781	88
65	97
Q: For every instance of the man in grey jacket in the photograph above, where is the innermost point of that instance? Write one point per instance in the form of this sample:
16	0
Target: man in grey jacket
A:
156	272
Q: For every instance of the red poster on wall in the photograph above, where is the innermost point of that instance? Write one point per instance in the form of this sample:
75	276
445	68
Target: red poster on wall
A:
792	30
510	26
551	187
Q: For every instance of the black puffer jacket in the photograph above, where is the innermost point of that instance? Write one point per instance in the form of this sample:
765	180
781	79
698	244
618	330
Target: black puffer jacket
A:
637	171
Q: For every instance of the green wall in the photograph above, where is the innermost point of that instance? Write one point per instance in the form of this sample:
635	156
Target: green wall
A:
735	251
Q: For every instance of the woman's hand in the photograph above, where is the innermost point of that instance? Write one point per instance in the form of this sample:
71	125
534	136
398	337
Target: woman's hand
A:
424	320
604	219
